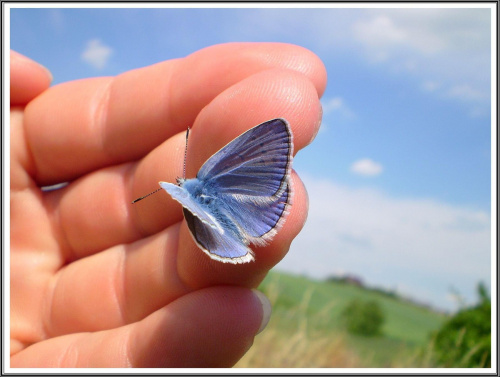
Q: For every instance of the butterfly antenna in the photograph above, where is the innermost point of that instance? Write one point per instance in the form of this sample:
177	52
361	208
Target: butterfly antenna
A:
145	196
184	172
185	154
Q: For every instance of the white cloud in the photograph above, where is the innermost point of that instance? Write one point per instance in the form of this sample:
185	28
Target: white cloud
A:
426	31
366	167
337	105
96	54
421	246
57	20
430	86
478	111
379	34
450	44
332	104
476	99
445	45
465	93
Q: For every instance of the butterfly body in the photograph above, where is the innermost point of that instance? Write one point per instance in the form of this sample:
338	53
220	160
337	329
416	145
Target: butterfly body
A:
241	194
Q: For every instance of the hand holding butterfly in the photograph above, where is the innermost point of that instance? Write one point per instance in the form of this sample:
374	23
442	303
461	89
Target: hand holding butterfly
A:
98	282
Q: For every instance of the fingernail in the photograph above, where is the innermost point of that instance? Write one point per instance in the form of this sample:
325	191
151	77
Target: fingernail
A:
320	118
266	309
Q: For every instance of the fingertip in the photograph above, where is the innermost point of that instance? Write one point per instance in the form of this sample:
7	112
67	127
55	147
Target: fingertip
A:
299	208
27	79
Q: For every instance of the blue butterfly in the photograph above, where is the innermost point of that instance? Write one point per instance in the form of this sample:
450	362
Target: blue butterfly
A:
241	194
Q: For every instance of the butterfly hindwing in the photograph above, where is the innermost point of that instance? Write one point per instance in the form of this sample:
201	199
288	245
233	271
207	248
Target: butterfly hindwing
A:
227	247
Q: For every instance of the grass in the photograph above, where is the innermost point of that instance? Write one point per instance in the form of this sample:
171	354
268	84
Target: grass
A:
305	331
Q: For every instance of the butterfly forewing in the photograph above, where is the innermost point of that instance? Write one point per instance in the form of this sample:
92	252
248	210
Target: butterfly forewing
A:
257	163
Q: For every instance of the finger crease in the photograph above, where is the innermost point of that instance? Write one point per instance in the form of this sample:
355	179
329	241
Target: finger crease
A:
120	289
99	109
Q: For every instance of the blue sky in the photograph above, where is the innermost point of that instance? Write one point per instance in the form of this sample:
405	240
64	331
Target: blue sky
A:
399	176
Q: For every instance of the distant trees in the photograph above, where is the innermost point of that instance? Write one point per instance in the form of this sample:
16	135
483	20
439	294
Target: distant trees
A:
363	317
346	279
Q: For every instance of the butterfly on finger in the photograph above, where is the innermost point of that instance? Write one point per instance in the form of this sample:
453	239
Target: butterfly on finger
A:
241	195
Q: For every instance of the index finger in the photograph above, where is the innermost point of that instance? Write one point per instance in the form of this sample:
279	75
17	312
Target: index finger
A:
81	126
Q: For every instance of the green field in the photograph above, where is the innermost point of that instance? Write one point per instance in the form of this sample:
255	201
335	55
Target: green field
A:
305	328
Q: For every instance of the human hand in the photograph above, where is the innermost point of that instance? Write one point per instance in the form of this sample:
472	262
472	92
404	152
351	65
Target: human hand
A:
99	282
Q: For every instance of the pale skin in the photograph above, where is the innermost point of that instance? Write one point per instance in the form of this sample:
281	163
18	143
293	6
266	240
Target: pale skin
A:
99	282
